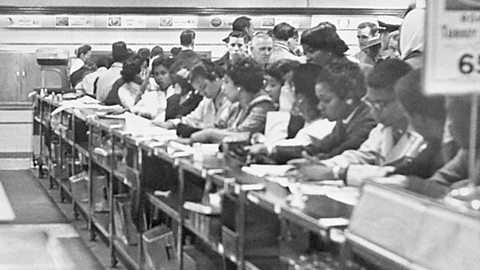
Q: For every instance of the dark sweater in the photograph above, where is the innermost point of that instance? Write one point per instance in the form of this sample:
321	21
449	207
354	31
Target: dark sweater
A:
345	136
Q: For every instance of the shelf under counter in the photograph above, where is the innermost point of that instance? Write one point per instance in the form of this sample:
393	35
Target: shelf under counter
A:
82	147
128	254
166	204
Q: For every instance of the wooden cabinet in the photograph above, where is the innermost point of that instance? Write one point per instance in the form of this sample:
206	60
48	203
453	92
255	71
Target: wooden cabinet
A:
19	73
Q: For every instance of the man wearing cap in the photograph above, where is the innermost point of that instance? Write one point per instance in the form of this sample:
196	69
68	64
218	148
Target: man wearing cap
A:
105	82
372	51
387	25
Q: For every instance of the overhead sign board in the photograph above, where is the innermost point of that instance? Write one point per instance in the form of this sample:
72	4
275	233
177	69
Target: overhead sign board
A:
452	47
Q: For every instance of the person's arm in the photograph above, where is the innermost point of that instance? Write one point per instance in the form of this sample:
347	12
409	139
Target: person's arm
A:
368	153
455	170
126	99
213	135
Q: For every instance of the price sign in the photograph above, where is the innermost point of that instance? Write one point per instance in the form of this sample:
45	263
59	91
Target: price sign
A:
452	47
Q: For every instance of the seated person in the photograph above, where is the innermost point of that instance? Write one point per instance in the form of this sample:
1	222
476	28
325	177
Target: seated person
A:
458	110
126	89
242	83
339	88
156	88
275	77
389	143
213	110
185	99
315	128
88	84
427	116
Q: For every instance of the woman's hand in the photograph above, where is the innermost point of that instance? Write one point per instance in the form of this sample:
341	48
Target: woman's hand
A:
316	172
163	124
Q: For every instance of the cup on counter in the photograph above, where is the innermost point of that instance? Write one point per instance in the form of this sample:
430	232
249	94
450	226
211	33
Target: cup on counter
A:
205	153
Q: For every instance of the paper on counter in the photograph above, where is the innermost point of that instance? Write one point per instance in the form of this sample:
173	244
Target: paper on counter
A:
261	170
346	195
139	126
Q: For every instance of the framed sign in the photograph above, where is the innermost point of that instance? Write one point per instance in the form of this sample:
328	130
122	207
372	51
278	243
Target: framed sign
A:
452	50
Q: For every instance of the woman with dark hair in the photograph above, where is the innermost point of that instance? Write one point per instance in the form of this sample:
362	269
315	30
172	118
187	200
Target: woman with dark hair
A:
156	88
275	77
315	127
126	90
242	85
339	88
322	44
206	78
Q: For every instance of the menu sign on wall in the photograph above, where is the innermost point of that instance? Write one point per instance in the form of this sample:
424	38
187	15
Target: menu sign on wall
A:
452	47
23	21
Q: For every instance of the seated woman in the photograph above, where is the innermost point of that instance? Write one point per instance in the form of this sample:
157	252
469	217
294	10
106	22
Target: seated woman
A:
126	89
242	83
339	88
155	90
275	77
213	110
315	127
184	101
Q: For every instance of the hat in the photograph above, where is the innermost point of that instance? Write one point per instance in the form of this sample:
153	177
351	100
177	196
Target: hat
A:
119	51
389	23
375	40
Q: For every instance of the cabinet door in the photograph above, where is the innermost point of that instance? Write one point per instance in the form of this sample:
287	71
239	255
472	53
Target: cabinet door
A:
31	75
10	76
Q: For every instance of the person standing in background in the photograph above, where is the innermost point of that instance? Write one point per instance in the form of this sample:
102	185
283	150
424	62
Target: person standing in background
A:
282	33
365	31
237	46
243	24
261	48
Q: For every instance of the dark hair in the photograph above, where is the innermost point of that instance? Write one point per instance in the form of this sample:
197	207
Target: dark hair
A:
236	34
241	23
187	37
156	50
344	78
131	68
83	50
373	27
247	73
280	68
120	52
386	73
103	61
408	89
283	31
304	81
327	24
175	51
167	62
206	69
324	38
144	52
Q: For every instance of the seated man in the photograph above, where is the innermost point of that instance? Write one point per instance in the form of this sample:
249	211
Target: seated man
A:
389	143
458	110
426	114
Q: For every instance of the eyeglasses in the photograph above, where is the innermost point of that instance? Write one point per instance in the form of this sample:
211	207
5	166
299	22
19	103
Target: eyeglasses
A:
377	105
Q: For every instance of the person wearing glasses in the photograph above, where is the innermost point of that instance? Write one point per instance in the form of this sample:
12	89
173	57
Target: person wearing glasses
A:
237	46
391	143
